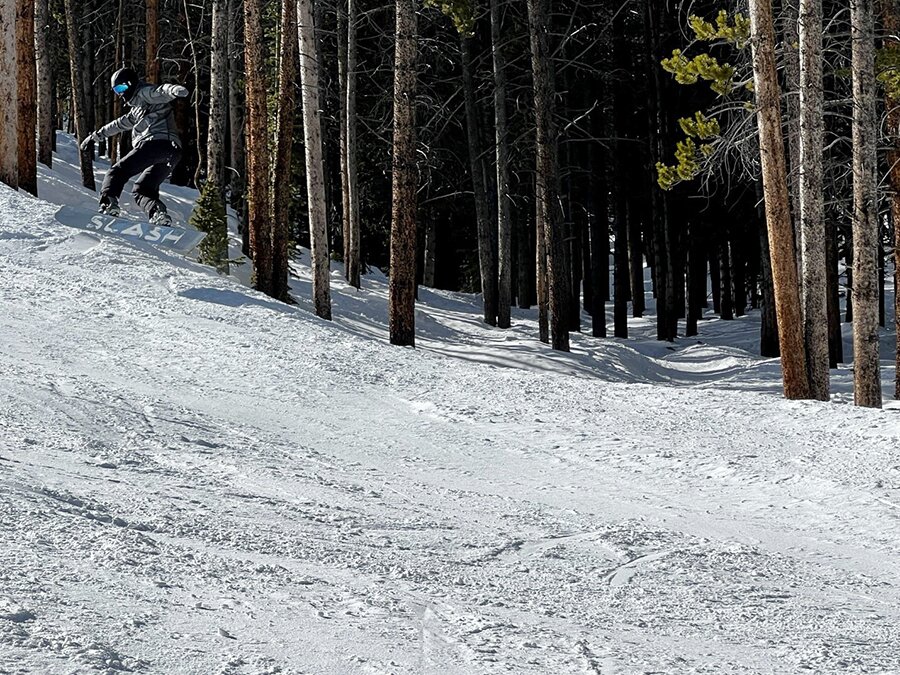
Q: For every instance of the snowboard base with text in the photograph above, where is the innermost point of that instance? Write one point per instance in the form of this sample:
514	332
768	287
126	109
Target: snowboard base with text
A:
167	236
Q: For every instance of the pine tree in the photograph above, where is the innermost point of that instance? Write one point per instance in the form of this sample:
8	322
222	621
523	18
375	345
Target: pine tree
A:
209	216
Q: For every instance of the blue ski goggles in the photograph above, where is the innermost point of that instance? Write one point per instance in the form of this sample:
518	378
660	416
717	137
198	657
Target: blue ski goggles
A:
120	88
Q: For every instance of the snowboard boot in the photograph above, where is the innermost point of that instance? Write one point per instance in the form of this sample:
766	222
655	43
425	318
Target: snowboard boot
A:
160	217
109	206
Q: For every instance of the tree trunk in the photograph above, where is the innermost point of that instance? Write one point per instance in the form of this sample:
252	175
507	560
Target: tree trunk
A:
866	375
835	336
284	141
218	96
790	45
45	83
402	283
812	209
27	96
76	67
237	176
547	173
487	262
117	145
9	149
778	214
152	44
428	268
312	140
890	17
258	186
504	226
355	256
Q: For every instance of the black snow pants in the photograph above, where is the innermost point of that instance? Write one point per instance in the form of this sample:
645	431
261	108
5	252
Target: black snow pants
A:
154	161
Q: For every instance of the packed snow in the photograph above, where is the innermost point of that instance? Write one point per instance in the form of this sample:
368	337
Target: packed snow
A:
197	479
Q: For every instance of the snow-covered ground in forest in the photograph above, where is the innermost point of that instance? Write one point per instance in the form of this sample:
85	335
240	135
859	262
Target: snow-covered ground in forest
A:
196	479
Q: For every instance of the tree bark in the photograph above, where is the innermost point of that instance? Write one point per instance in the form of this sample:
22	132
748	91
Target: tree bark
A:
26	96
402	283
76	67
45	83
501	128
284	142
547	172
315	180
866	373
237	177
355	255
9	149
778	214
218	96
258	160
152	44
812	209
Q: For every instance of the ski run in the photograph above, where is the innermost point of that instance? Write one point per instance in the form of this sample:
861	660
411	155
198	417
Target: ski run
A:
197	479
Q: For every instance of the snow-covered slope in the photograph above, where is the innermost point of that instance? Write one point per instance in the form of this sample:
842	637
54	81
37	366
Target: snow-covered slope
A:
195	479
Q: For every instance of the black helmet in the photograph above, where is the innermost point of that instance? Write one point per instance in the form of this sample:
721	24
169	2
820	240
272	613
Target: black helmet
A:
124	82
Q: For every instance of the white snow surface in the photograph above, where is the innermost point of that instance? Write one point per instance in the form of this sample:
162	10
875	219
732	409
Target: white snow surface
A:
197	479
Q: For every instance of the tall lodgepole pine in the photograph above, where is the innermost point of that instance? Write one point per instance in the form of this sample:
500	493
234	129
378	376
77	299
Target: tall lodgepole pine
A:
775	192
353	262
890	18
76	67
259	190
501	130
402	284
812	209
487	261
547	172
284	141
866	375
27	96
315	173
45	83
9	164
151	46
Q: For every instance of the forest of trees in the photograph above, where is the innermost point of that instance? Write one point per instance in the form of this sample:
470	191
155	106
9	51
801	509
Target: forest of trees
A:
514	148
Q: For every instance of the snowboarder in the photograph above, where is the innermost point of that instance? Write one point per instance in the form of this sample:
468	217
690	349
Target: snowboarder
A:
154	139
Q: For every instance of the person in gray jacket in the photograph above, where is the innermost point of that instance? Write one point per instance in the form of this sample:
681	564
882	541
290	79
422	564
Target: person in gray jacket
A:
154	139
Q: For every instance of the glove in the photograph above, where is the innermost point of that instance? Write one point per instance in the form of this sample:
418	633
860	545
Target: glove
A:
175	90
93	137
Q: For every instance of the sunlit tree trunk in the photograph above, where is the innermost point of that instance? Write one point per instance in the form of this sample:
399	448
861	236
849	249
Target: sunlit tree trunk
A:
284	140
402	286
9	150
26	93
866	375
778	213
504	224
152	43
76	67
45	83
812	210
218	95
258	160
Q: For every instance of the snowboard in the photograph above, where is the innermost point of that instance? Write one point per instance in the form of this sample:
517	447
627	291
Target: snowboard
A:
166	236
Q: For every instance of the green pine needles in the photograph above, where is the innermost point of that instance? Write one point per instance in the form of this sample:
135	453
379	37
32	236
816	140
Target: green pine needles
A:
209	216
689	154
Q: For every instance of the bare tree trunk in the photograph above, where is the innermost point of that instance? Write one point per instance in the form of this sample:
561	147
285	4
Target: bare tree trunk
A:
504	225
487	261
284	140
117	145
152	44
866	374
237	175
353	262
812	208
342	133
45	83
76	67
778	213
218	96
547	172
9	149
405	180
26	96
258	189
791	44
315	181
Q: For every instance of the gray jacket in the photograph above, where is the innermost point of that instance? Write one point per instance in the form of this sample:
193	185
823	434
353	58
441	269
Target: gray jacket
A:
150	117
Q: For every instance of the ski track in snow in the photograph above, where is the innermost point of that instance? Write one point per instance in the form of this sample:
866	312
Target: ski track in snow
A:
196	479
